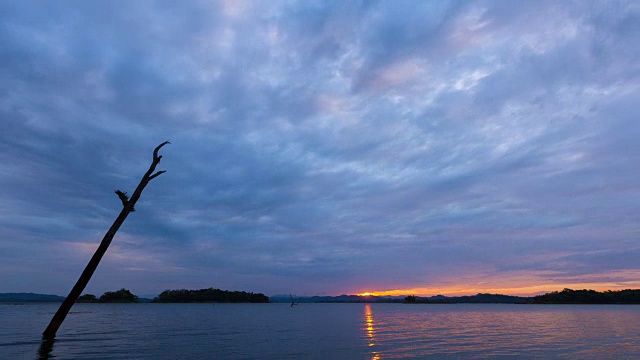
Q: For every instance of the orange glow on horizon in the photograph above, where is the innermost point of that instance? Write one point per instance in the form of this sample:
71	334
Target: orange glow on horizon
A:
524	290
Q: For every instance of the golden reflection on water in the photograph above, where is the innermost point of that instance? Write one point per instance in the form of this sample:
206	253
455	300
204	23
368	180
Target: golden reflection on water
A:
370	331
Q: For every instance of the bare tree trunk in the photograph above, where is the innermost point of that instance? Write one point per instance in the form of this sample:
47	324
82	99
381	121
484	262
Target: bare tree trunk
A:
128	204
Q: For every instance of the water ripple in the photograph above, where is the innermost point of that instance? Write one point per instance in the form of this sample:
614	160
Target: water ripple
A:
323	331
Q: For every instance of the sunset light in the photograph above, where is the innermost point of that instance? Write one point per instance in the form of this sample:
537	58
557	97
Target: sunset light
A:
389	155
507	289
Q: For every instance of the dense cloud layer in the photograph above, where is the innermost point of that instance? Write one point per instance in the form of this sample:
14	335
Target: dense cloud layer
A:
321	148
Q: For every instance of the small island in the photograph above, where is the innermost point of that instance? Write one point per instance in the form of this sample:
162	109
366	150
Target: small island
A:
569	296
209	295
121	296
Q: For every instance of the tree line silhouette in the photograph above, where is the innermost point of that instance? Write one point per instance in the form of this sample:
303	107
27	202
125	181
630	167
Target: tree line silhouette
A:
568	296
209	295
121	296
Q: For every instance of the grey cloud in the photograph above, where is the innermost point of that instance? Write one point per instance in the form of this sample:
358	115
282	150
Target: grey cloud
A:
319	146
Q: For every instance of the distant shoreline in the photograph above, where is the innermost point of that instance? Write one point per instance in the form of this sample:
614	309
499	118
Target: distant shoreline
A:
566	296
217	296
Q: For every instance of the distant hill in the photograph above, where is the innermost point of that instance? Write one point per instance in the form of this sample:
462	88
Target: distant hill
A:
353	299
438	299
29	297
338	299
470	299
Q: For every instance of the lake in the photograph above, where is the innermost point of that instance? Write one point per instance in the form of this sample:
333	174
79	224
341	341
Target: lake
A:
324	331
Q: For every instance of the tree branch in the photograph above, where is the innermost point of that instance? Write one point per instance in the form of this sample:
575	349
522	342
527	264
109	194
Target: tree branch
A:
155	152
123	197
157	174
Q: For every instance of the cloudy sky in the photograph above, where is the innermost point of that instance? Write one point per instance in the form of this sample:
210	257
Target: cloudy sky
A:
396	147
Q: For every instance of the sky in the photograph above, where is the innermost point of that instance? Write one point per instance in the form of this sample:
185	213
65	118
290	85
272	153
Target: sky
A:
322	147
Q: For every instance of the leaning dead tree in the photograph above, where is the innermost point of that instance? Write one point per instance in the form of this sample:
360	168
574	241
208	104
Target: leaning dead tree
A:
127	204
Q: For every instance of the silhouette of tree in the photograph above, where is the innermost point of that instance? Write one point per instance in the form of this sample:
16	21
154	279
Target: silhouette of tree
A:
209	295
411	299
123	296
82	282
87	298
584	296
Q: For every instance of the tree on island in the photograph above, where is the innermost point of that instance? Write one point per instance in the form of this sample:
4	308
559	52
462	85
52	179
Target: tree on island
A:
411	299
209	295
569	296
128	207
87	298
121	296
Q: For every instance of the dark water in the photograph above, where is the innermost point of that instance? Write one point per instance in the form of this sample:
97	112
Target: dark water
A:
324	331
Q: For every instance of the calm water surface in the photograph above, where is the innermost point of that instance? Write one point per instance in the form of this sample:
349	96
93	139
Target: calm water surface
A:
324	331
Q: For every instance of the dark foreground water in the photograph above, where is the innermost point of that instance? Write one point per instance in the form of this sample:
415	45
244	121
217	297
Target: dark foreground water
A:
324	331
